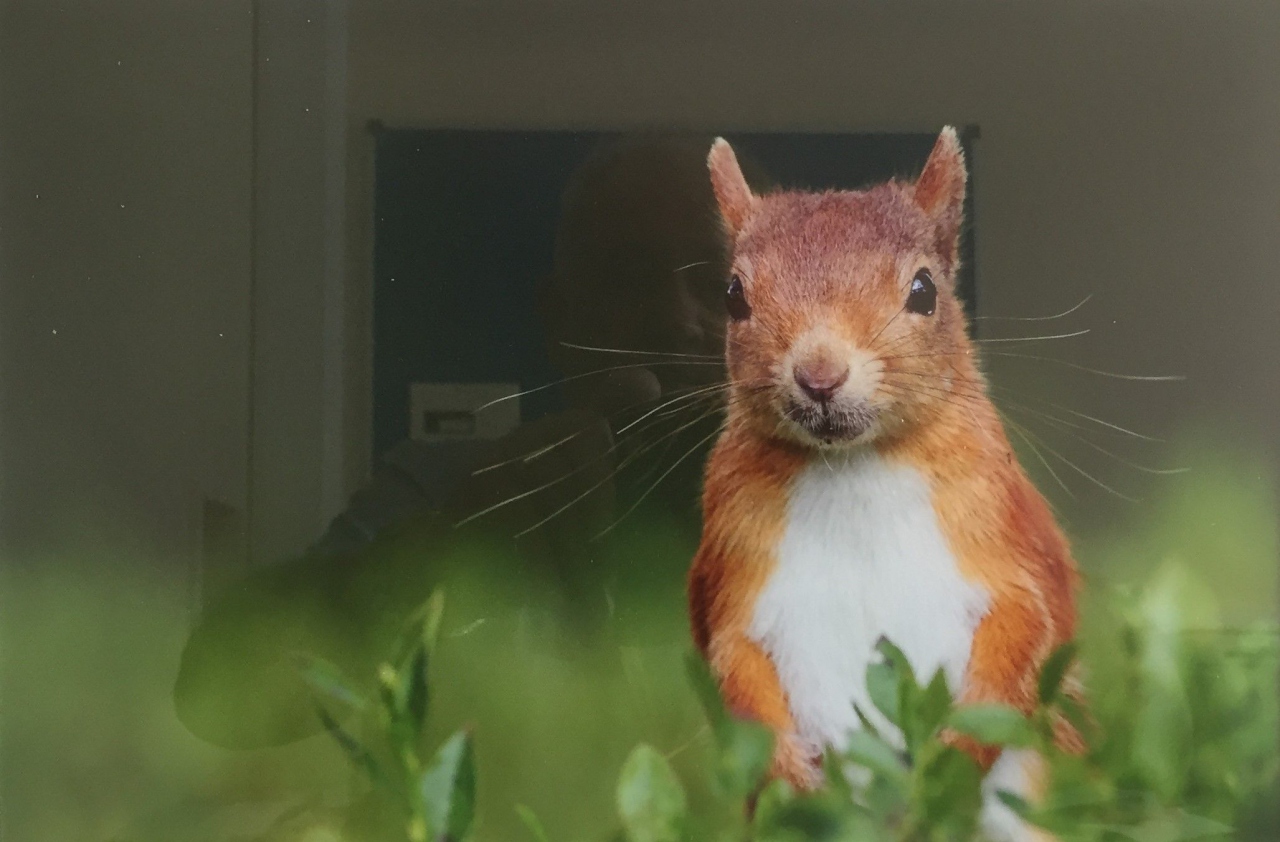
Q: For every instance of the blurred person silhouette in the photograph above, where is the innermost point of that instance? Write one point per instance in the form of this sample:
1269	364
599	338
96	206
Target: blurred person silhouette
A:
633	315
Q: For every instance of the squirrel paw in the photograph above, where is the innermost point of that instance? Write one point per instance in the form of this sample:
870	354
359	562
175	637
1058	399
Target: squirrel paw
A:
797	763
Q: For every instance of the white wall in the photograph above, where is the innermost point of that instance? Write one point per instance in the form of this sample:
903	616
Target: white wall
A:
173	258
297	440
125	253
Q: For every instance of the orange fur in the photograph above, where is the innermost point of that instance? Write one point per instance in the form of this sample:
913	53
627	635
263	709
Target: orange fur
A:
839	259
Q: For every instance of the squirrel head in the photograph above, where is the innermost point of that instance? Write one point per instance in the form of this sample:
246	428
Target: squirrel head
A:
843	322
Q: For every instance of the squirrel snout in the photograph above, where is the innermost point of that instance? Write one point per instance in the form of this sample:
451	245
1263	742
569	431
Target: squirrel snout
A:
820	378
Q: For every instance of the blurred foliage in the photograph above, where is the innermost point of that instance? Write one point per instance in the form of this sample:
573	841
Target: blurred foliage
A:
1177	641
1190	755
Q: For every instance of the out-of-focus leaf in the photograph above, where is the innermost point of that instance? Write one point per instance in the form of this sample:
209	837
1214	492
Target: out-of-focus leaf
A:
878	756
433	614
414	678
325	679
1054	671
409	696
708	692
356	752
924	711
996	725
744	748
773	798
1162	732
813	819
837	780
949	788
651	802
865	721
907	693
894	657
447	788
532	823
882	687
1171	826
744	757
1014	802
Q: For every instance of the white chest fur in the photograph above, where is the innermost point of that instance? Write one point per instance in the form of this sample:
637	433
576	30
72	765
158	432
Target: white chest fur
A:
862	556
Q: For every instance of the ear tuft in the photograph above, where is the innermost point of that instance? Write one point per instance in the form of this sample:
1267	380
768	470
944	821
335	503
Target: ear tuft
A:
941	183
940	189
733	195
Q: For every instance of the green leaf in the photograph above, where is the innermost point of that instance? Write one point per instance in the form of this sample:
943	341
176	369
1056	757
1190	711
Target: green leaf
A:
745	754
813	819
1162	739
744	748
413	678
878	756
894	657
1014	802
928	710
532	823
447	788
950	793
409	696
773	799
865	723
882	687
707	690
356	752
1171	826
325	679
903	700
1054	671
432	615
993	725
651	802
837	781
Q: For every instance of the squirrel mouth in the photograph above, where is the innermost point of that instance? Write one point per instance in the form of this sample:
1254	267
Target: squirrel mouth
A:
831	425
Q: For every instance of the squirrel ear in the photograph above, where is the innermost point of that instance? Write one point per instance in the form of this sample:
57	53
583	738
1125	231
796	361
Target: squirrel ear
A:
732	193
940	188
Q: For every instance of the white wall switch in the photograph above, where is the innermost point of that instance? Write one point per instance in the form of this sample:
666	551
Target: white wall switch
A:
440	412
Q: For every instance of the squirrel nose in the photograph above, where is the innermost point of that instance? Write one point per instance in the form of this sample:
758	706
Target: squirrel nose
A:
819	379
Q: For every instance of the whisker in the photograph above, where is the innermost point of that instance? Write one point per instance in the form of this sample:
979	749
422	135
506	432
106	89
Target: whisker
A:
1157	378
603	350
1088	443
544	450
960	399
1080	470
527	457
1068	428
1106	424
1148	378
994	387
611	449
1017	428
900	311
691	265
681	398
658	482
628	460
1068	312
571	378
1071	335
872	343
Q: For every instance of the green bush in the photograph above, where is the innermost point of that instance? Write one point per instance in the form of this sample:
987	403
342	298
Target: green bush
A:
1182	746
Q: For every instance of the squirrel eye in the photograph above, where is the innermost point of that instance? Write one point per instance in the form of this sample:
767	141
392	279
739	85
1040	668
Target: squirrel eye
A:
735	300
923	298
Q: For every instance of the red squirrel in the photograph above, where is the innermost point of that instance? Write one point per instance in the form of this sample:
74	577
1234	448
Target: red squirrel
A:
863	485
